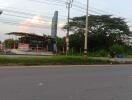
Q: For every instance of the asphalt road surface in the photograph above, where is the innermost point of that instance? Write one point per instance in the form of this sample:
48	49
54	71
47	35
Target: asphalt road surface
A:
67	83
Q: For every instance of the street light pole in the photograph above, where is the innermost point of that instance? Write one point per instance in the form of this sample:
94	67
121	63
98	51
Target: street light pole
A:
68	5
86	31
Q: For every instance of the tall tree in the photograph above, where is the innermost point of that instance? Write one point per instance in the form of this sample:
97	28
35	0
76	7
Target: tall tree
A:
104	31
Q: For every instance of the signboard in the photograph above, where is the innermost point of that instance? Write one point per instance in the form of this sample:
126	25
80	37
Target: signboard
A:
54	25
54	30
23	46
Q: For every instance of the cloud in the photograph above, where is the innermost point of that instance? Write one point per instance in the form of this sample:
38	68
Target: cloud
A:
36	21
5	3
39	22
61	24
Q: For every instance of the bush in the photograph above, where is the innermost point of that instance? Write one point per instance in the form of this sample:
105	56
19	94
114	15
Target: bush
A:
100	53
116	49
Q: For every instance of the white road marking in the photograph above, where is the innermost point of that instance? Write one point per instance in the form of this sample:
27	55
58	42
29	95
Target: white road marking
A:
130	76
40	84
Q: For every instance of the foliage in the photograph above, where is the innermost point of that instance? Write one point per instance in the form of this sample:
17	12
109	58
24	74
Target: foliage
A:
100	53
9	43
104	32
77	42
60	44
54	60
118	49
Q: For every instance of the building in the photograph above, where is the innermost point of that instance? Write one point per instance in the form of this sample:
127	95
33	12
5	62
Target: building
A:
32	42
127	40
1	47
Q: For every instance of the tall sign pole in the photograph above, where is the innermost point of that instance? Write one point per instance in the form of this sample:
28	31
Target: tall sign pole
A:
86	31
68	5
54	31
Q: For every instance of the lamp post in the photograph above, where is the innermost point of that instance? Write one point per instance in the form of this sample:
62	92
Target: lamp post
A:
68	5
86	31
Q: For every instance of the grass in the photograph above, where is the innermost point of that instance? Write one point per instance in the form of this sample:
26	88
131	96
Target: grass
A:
51	60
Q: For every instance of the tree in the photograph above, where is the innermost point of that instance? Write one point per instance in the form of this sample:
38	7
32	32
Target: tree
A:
104	31
60	44
9	43
77	42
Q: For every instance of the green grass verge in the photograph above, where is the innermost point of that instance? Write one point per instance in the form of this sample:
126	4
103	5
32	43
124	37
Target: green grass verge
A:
53	60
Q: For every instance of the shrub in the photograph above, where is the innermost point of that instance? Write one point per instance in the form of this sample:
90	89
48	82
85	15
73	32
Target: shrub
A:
117	49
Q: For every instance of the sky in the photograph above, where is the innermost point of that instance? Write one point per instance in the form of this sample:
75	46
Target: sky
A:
35	16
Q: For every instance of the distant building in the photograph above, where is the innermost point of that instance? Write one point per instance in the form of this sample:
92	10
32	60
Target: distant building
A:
127	40
1	47
33	42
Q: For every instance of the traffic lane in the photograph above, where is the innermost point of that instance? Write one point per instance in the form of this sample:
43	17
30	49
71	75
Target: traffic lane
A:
66	84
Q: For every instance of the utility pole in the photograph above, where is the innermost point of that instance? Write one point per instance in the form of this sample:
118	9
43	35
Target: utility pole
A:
68	5
86	31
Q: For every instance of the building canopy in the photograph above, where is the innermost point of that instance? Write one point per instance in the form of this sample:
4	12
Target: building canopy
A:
23	34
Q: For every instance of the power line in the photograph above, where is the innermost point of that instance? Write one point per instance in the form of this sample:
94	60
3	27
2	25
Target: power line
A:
75	6
93	10
35	11
58	3
18	24
29	14
25	14
49	2
99	11
21	17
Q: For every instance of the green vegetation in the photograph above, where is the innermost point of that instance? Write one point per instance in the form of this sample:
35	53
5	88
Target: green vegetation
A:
54	60
105	35
100	53
10	43
117	48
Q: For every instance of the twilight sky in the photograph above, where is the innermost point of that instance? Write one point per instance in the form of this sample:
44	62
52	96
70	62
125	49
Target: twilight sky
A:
35	15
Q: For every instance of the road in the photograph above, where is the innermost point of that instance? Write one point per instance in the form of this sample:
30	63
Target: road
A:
113	82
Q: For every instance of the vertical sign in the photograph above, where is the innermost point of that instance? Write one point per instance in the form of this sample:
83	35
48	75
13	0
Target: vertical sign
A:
54	30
